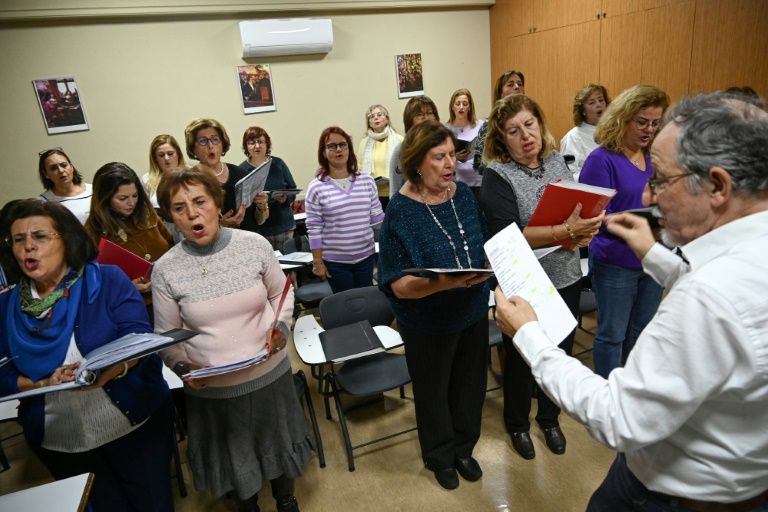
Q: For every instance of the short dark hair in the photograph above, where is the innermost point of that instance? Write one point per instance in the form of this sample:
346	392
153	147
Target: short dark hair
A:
323	171
77	178
190	135
417	143
414	107
172	181
253	133
79	248
502	79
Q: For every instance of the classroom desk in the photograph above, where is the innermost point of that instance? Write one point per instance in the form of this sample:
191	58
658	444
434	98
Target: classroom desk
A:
68	495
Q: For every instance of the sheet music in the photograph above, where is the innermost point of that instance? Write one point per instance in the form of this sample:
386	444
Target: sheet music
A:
520	273
251	184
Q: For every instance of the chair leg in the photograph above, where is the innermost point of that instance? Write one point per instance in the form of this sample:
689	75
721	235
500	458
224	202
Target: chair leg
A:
313	418
175	455
326	397
4	460
343	424
402	391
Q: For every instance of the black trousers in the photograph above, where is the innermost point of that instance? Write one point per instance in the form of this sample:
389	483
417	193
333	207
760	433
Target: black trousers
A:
449	374
519	383
131	473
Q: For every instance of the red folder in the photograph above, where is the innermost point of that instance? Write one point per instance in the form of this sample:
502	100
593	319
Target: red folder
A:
559	200
112	254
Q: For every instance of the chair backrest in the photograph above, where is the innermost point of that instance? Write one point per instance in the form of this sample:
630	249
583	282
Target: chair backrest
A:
353	305
296	244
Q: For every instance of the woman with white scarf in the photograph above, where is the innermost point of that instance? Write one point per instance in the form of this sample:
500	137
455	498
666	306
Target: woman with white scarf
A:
376	148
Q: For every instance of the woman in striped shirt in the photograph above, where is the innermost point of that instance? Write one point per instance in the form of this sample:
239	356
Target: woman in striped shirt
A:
342	206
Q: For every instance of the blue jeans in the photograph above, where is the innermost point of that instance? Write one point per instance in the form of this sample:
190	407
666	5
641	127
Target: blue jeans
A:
622	491
345	276
627	299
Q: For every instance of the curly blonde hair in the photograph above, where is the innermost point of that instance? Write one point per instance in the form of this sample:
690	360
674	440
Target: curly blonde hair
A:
612	126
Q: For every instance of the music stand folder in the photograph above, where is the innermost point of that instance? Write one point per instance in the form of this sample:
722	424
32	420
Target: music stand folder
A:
350	341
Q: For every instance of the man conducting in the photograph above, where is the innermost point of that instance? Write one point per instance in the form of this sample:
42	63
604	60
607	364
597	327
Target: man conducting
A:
688	413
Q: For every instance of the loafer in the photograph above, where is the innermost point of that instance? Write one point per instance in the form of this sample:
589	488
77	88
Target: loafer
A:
447	478
522	443
287	504
469	469
555	439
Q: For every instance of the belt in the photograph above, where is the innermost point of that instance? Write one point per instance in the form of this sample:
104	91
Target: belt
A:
712	506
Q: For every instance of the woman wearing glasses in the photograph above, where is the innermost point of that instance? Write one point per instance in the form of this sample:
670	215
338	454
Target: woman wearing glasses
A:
164	155
65	305
419	109
342	206
207	141
627	298
279	226
375	149
63	183
508	83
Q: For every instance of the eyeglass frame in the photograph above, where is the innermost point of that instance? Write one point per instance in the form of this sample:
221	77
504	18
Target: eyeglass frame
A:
214	141
643	123
44	237
41	153
256	142
425	114
655	184
374	115
333	146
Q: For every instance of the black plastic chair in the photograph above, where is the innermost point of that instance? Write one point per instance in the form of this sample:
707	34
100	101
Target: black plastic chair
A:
302	392
367	375
309	290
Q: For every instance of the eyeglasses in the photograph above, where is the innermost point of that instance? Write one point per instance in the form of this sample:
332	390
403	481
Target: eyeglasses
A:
657	184
204	141
341	146
49	151
373	115
39	237
256	142
424	115
642	123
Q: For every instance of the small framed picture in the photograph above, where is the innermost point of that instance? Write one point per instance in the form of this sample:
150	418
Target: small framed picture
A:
256	88
410	75
61	104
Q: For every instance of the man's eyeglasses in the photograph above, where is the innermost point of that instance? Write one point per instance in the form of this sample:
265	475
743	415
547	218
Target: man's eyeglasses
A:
642	123
39	237
204	141
656	184
341	146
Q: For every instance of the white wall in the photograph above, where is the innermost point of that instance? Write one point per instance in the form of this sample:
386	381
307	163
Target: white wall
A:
141	78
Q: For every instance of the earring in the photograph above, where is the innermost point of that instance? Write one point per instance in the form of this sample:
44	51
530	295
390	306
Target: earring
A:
418	171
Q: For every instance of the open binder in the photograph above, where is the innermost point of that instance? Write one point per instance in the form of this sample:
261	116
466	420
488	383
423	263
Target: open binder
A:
126	348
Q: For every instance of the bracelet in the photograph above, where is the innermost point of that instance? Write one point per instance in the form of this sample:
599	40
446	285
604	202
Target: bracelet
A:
569	229
125	371
552	230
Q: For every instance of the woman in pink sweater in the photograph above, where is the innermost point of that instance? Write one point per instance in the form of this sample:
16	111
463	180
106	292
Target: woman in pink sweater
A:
247	426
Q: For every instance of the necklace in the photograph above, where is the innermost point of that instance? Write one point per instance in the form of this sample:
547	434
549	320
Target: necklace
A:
222	168
204	264
445	232
536	173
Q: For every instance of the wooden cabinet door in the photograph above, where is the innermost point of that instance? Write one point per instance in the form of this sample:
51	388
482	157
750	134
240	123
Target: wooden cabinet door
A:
730	45
618	7
556	64
512	17
652	46
549	14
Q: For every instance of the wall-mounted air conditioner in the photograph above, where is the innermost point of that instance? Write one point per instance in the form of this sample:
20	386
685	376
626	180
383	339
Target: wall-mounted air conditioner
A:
294	36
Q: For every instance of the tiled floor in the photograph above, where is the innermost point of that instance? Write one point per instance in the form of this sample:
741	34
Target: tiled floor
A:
390	476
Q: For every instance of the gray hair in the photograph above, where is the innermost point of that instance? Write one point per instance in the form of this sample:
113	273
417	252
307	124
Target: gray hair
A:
718	130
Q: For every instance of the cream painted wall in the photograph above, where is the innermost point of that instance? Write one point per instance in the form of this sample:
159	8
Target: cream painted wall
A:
138	79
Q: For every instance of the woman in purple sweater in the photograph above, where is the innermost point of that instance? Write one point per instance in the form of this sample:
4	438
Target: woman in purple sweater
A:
627	298
342	206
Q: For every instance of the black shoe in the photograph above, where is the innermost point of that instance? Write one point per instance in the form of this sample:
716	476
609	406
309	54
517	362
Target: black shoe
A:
522	443
249	505
447	478
287	504
469	469
555	439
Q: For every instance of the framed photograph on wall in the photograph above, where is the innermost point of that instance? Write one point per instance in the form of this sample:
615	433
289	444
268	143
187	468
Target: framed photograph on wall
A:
256	90
60	104
410	75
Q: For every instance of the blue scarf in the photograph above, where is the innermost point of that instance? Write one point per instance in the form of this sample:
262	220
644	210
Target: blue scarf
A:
39	345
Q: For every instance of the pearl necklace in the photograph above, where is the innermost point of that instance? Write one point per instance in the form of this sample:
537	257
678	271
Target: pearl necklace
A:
445	232
222	168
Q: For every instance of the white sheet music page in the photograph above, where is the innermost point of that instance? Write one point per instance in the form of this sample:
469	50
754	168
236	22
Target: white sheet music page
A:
519	273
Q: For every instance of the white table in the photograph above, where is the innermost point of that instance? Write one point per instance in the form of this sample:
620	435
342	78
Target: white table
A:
306	339
68	495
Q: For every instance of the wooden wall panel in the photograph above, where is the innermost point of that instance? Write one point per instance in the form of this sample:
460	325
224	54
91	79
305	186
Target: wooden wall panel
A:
548	14
667	48
621	51
730	45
